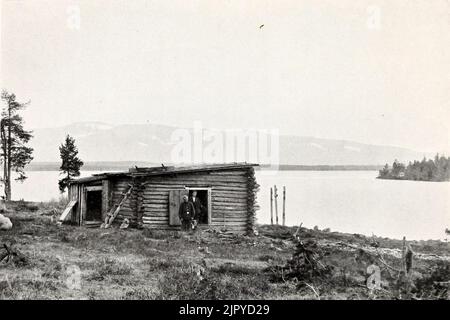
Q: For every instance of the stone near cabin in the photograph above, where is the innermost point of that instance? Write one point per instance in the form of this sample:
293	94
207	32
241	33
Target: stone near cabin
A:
125	224
5	223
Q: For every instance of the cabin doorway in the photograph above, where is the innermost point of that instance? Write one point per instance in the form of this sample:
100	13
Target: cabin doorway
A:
202	202
94	205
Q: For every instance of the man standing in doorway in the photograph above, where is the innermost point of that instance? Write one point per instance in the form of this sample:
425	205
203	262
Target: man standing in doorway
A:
197	206
186	214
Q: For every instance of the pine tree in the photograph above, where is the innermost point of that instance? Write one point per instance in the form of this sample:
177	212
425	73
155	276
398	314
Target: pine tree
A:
71	164
14	152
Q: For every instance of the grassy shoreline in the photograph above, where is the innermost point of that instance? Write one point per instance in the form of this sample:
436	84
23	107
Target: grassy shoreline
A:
212	264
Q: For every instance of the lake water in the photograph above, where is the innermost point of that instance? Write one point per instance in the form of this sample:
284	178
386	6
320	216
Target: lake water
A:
356	202
347	201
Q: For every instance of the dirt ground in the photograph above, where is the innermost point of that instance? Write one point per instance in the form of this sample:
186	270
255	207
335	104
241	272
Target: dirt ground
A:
69	262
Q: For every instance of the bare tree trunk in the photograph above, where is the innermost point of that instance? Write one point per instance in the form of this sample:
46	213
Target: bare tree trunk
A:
8	181
2	205
5	160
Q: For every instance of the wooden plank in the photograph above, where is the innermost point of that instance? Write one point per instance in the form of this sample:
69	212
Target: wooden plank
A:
94	188
82	205
175	198
106	197
67	210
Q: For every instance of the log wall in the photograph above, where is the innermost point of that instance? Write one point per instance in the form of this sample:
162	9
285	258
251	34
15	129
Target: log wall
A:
232	206
233	198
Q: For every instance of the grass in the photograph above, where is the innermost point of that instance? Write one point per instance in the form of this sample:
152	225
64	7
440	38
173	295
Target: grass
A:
68	262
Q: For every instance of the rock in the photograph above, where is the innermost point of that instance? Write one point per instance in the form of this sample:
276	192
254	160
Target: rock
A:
5	223
125	224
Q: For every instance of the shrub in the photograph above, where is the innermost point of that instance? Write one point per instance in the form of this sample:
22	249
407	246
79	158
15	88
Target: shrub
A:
192	283
435	285
108	267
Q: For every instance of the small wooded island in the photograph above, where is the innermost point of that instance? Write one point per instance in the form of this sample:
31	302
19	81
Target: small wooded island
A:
425	170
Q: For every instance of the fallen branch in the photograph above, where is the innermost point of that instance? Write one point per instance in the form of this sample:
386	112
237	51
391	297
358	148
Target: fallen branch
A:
13	255
312	288
298	230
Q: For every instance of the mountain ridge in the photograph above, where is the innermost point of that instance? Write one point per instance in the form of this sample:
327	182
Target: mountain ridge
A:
152	143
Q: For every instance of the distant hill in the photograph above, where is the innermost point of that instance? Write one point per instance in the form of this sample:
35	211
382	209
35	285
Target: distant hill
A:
151	143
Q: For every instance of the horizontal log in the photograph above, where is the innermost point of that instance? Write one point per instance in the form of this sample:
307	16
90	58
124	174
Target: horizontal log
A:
227	201
210	177
155	201
164	194
149	209
229	220
221	187
151	199
155	214
155	208
232	173
222	182
229	217
234	193
228	206
229	224
234	229
166	218
241	195
156	223
200	181
163	187
229	188
229	213
162	228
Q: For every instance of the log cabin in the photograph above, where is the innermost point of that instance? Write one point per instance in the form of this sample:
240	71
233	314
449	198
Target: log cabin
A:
150	197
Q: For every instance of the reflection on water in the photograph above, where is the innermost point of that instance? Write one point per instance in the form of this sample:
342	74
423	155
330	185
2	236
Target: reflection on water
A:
347	201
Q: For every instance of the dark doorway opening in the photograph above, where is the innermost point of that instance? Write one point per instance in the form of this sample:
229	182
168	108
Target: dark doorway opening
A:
94	206
200	205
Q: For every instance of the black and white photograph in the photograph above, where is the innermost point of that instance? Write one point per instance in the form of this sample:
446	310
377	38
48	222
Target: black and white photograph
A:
225	150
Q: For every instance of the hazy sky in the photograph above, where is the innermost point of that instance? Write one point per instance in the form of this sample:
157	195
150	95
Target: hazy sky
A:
370	71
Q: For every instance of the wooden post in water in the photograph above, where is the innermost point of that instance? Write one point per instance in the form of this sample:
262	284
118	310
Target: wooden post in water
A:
284	205
271	205
276	202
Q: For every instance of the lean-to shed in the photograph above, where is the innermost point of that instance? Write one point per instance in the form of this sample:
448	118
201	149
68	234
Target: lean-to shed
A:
151	196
